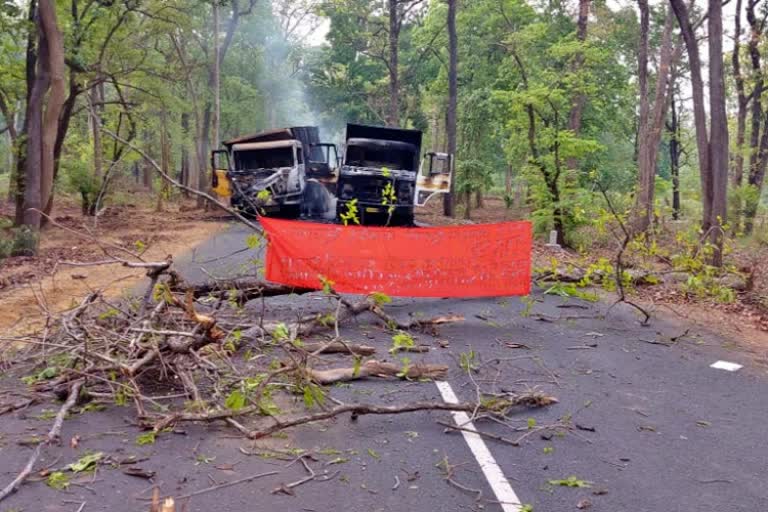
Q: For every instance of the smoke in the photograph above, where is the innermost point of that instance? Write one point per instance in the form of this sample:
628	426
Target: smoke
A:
291	34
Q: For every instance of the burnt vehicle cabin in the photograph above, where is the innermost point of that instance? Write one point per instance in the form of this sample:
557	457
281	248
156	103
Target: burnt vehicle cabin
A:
379	174
267	173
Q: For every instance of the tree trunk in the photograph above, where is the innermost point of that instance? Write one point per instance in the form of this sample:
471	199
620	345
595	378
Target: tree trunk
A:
673	129
741	116
650	130
579	99
165	157
449	208
718	143
393	116
13	140
508	181
95	120
56	97
185	164
34	149
30	79
216	77
699	112
204	147
756	122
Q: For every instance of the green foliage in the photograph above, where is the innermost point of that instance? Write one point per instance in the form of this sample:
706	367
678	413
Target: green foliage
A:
235	400
380	299
406	362
327	285
313	395
401	340
47	374
25	242
571	481
253	241
281	332
87	462
352	213
468	361
58	481
568	290
146	438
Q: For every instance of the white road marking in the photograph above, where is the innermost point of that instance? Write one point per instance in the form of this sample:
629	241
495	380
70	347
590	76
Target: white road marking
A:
726	365
493	473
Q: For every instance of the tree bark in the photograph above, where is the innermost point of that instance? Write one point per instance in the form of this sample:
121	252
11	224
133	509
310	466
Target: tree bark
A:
95	119
449	207
756	156
216	77
718	143
741	116
699	112
30	215
185	163
204	131
652	122
393	116
13	139
56	97
673	129
579	99
30	78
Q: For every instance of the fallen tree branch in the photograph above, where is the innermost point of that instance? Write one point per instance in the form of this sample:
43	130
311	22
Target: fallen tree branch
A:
526	400
240	290
337	347
378	369
53	437
5	409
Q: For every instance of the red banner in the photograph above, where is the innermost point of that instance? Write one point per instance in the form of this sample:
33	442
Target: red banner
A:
482	260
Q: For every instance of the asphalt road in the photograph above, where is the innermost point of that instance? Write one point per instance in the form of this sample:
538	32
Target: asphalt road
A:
654	428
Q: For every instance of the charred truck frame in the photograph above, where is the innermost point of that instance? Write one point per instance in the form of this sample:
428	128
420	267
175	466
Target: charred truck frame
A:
381	176
267	173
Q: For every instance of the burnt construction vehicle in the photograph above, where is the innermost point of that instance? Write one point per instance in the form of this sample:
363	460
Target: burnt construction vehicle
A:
271	172
380	180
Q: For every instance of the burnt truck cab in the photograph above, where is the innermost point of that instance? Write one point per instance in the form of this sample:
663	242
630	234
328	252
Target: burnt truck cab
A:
382	177
267	173
378	176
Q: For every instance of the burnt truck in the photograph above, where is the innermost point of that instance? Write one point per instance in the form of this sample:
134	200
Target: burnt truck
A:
381	179
271	172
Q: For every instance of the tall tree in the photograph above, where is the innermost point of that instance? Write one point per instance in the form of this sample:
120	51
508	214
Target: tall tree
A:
758	138
651	117
453	64
43	124
741	97
712	148
718	142
580	98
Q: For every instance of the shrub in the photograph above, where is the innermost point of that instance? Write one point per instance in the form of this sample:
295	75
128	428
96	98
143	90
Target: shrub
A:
25	242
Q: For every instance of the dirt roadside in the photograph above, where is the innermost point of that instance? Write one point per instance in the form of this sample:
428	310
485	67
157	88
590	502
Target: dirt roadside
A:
30	285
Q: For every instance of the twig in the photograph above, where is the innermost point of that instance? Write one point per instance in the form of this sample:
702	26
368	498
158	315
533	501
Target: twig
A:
53	437
479	432
223	486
